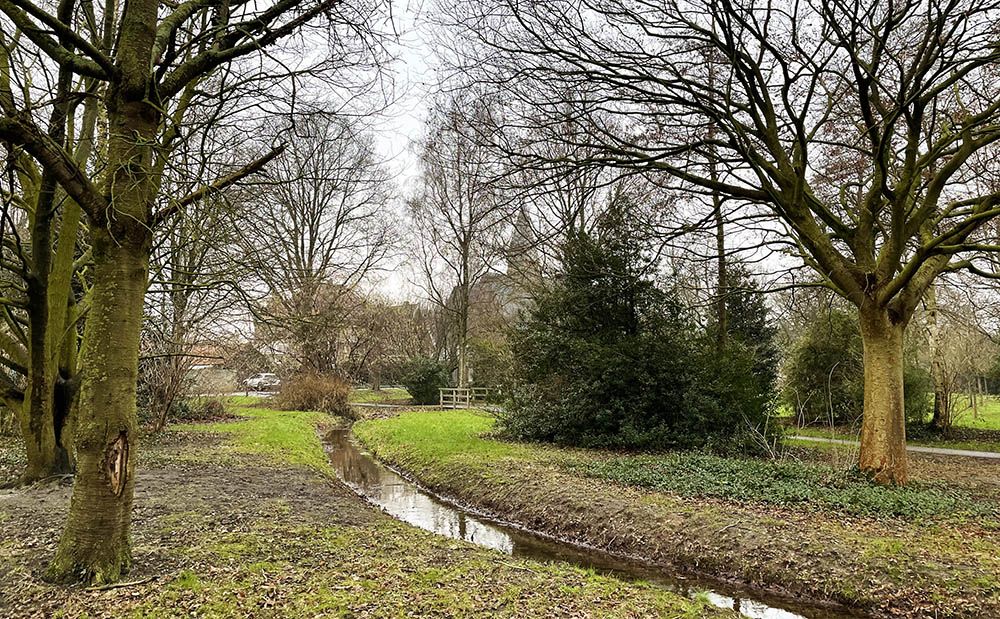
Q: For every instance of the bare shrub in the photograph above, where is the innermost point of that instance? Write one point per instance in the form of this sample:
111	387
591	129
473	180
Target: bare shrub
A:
315	392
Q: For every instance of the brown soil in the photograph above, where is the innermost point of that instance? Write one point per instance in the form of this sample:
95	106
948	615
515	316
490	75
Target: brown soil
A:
252	537
230	498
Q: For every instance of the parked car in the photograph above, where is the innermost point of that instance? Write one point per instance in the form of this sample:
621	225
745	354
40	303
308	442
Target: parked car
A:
263	382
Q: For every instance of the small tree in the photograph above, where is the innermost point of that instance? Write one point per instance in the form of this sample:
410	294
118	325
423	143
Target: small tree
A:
423	378
458	216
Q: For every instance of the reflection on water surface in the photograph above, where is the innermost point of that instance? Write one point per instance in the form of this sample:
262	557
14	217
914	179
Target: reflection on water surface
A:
406	501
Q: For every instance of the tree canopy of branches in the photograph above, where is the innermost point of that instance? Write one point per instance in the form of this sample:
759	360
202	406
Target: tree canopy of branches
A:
94	141
854	132
459	215
320	226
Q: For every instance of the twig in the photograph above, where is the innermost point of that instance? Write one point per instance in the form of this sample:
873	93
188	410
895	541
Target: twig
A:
119	585
517	567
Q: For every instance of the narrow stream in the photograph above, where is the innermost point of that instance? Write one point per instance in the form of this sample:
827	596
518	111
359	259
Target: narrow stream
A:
406	501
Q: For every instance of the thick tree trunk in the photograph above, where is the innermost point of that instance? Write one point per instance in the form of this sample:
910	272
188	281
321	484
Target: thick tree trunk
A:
95	543
94	546
883	430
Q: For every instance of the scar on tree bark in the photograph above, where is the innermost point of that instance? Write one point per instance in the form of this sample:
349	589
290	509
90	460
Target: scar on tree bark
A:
116	463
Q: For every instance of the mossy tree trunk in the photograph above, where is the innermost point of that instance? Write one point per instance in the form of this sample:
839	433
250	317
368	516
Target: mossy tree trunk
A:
95	543
94	547
883	430
46	415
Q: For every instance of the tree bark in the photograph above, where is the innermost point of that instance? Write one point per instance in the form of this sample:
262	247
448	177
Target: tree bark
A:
94	546
883	429
941	419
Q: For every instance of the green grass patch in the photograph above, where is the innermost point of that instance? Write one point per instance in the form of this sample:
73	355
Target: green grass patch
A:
962	438
387	395
390	570
435	435
838	433
428	439
988	417
188	580
783	482
287	437
243	400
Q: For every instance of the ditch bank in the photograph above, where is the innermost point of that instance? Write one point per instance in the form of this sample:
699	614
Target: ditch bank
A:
942	567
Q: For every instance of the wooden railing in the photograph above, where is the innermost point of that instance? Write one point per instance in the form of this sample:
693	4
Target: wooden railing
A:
463	398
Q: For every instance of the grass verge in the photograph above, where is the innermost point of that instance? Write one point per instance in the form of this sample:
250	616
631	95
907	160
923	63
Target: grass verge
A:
961	437
286	437
903	552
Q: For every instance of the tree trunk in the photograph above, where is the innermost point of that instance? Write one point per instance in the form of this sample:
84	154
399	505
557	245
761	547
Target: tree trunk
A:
883	429
973	401
941	419
94	546
463	332
48	401
95	543
37	429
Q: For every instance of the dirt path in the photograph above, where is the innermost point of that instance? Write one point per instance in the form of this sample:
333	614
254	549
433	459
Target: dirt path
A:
219	532
177	505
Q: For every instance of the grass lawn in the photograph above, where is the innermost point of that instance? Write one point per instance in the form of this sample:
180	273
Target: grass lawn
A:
988	417
388	395
980	432
244	519
931	548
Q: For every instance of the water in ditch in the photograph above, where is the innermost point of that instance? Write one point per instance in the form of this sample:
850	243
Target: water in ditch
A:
409	503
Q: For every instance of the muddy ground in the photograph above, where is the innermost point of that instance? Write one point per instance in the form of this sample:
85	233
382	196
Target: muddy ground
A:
249	536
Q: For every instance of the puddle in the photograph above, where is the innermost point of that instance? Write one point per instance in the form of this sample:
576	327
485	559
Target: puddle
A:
409	503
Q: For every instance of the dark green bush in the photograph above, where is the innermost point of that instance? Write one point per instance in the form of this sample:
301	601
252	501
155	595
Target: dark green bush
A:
491	361
824	375
423	377
607	359
315	392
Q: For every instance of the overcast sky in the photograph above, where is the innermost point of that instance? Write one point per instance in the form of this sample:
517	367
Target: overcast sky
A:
402	123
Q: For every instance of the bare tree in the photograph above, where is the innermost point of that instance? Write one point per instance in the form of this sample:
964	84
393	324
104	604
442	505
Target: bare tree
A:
142	65
908	91
322	224
458	216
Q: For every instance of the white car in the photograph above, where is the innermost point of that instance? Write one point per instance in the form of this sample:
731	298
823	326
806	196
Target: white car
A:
263	382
